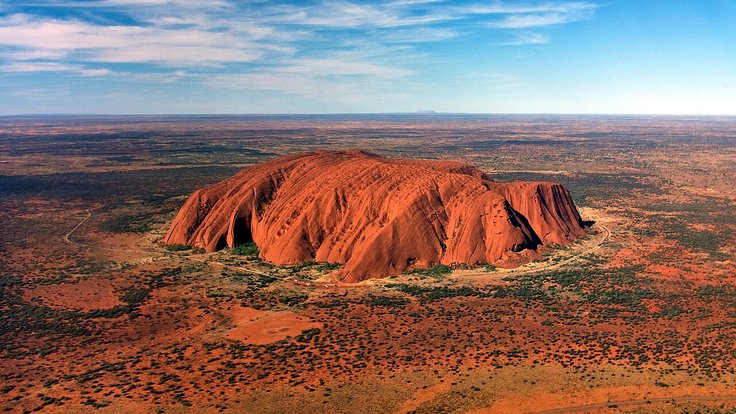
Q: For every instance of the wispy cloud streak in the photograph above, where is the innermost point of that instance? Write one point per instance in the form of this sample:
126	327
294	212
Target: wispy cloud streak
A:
259	45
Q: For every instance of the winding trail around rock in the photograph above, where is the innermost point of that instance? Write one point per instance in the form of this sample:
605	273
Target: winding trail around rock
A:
536	267
68	240
231	266
513	272
566	261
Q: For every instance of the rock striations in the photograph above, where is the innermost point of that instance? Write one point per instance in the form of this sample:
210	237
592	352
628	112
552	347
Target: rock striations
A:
378	216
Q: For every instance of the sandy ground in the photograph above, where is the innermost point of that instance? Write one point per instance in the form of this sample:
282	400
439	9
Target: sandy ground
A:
85	295
603	399
263	327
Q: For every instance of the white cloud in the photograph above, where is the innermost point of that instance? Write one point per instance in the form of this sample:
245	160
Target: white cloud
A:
161	77
175	55
532	20
320	89
419	35
412	2
33	54
527	38
501	8
339	14
543	15
220	32
37	67
126	4
58	67
412	13
101	72
173	3
126	44
331	50
342	67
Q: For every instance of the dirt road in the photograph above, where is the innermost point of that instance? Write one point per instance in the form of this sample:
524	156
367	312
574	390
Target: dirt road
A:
66	236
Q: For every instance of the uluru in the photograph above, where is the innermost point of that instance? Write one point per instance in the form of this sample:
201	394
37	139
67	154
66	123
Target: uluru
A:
378	216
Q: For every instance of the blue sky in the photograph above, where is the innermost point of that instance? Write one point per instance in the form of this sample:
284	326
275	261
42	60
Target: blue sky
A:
335	56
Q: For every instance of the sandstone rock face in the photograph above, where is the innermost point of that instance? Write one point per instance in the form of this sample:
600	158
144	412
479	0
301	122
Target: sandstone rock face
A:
377	216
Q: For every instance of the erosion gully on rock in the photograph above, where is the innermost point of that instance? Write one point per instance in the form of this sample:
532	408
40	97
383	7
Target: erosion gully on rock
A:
378	216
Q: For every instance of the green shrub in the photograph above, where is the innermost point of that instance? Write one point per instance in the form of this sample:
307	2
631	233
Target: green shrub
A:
178	247
245	249
386	301
437	270
326	266
134	223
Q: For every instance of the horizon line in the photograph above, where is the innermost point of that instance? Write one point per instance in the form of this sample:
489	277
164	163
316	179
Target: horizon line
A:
417	113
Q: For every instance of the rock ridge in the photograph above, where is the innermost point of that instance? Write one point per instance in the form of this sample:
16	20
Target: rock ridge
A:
378	216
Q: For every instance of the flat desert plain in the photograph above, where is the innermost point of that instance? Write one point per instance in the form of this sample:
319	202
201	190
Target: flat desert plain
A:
98	315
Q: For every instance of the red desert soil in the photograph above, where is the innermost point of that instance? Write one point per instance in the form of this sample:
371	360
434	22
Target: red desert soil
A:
378	216
264	327
604	399
85	295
